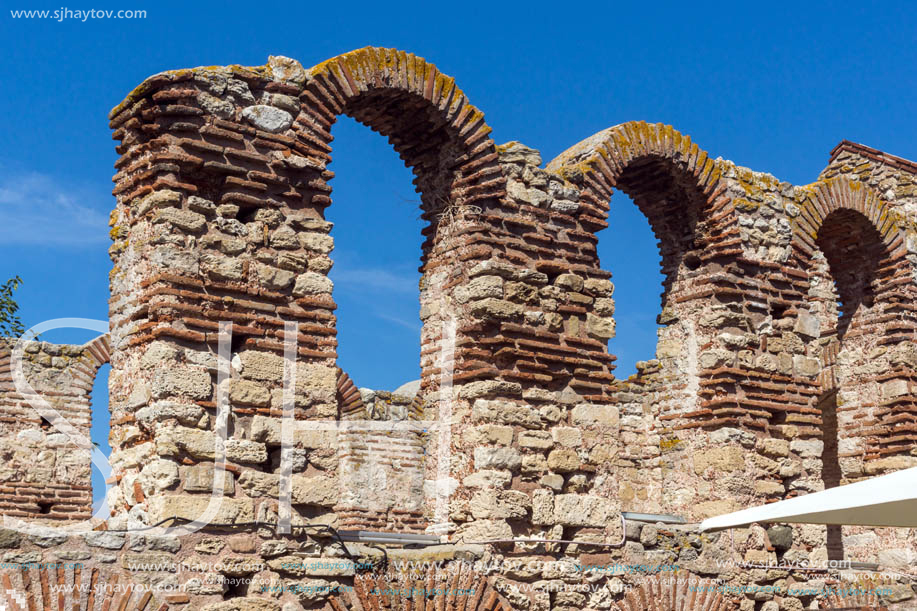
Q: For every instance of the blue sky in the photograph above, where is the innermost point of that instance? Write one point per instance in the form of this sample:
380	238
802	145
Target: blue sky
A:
771	86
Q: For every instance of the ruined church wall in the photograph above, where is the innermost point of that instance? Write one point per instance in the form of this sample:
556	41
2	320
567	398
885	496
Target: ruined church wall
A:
221	187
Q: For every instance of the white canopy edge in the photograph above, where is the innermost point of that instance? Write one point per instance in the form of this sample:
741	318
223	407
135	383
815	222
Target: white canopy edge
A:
888	500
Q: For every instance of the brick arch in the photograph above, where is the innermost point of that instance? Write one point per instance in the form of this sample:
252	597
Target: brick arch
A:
860	602
682	593
834	194
860	238
597	164
845	233
477	593
82	588
97	353
673	182
837	213
427	118
350	402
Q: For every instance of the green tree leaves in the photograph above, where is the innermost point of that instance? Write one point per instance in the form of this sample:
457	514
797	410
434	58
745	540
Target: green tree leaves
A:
10	325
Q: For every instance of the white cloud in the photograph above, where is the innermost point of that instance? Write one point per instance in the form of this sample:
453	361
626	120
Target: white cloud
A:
36	209
375	279
414	326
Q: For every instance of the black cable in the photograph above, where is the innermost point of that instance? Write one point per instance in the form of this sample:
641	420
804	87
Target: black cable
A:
384	567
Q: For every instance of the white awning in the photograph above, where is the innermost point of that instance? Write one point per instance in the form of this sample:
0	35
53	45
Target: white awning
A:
888	500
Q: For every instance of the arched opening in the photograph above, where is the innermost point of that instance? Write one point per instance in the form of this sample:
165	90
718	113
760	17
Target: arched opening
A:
847	274
673	206
430	124
377	239
674	209
444	141
98	434
854	250
629	249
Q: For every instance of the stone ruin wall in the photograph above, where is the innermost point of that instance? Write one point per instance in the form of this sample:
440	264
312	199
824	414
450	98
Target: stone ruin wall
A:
785	360
45	475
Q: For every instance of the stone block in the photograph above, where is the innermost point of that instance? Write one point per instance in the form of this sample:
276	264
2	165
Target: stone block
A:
145	560
158	475
317	242
808	448
177	380
268	118
603	415
245	451
321	490
496	309
709	509
775	447
268	430
485	530
163	198
273	278
489	388
534	463
599	286
488	478
200	478
500	412
581	510
781	537
806	366
769	488
222	268
553	481
157	354
727	435
604	306
648	535
542	507
246	392
721	459
497	458
889	464
567	436
540	440
259	484
312	283
894	388
569	282
490	434
600	327
491	503
226	510
197	443
481	287
807	324
563	460
188	221
105	539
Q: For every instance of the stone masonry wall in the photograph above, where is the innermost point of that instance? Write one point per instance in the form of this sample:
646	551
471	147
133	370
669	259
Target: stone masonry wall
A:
45	476
785	363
